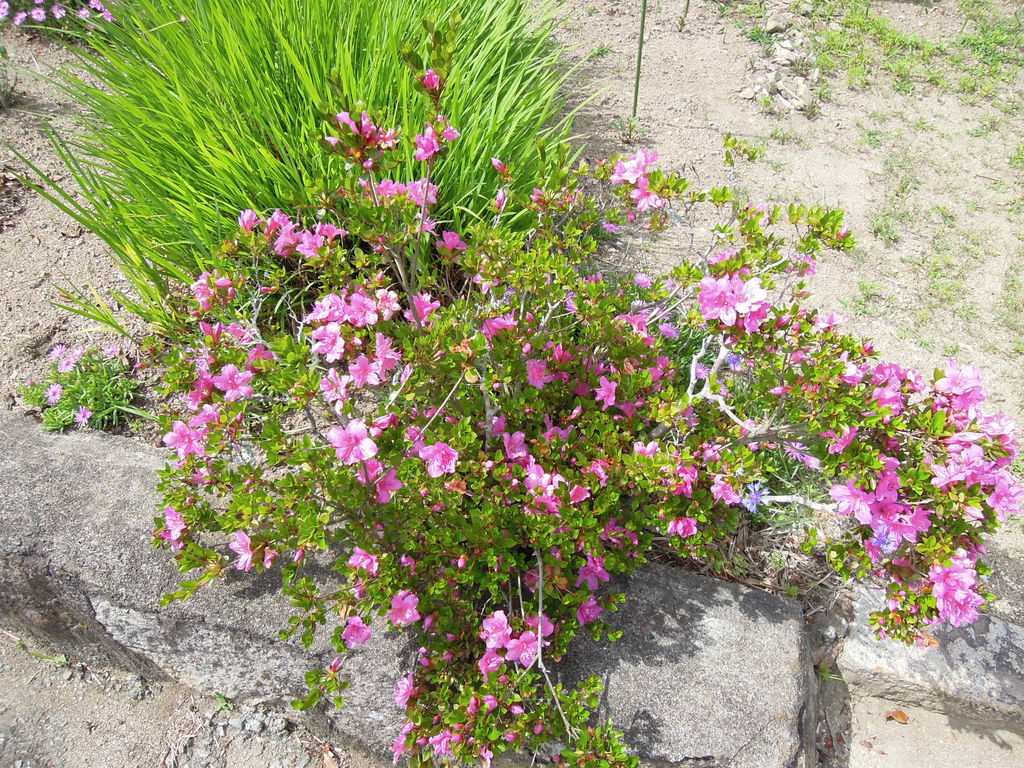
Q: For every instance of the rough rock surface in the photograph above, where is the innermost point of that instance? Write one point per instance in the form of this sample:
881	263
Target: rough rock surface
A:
78	574
977	670
708	673
706	669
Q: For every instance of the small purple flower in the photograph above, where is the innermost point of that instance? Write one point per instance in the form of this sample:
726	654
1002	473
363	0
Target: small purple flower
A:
112	351
886	539
668	330
734	361
53	393
755	495
82	416
58	352
38	14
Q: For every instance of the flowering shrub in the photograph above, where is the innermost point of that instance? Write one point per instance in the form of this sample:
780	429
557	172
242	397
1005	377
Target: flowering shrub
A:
46	12
87	388
476	441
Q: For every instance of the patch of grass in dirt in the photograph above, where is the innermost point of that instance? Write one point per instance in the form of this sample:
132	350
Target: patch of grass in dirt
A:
981	60
988	125
943	271
884	226
1017	158
900	169
1011	311
866	301
786	136
872	138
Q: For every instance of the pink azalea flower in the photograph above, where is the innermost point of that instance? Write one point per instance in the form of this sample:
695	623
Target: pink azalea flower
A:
441	742
645	198
364	372
249	220
364	560
422	192
426	145
403	691
733	301
588	611
489	662
515	446
451	241
537	373
234	383
500	199
242	547
605	393
269	556
578	494
632	169
522	649
853	501
185	441
441	458
496	631
355	633
492	325
174	523
403	608
953	588
335	388
646	450
682	527
352	443
387	485
425	307
593	573
722	491
431	80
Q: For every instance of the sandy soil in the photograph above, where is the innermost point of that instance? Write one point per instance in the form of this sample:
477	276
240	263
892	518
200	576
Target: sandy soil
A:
56	714
938	290
41	248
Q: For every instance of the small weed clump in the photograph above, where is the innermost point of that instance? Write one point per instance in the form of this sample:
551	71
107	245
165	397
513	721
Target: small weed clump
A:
85	388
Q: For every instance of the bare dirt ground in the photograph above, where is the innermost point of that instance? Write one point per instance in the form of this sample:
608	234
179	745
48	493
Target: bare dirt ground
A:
929	191
926	167
55	713
41	248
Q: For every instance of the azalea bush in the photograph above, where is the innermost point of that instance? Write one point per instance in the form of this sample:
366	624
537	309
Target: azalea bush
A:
194	109
85	388
476	428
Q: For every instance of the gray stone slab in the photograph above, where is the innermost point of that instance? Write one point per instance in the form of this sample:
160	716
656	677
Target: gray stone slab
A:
1006	556
706	670
977	670
78	573
708	673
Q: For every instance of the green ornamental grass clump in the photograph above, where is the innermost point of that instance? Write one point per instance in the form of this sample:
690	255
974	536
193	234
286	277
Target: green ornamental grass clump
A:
195	109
